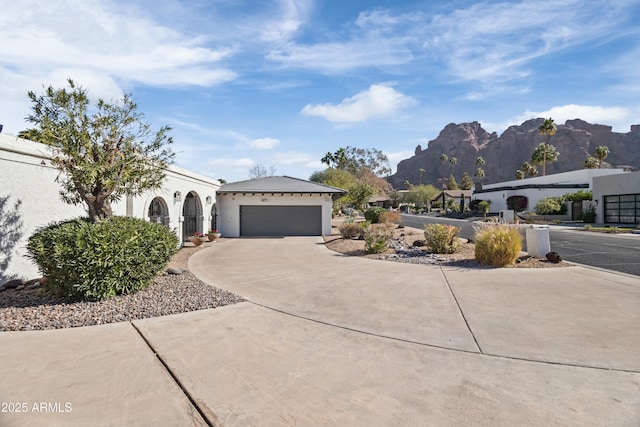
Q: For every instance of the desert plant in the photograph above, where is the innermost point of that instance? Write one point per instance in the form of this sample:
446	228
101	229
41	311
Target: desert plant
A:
96	261
373	215
352	230
442	239
497	244
484	206
390	217
376	239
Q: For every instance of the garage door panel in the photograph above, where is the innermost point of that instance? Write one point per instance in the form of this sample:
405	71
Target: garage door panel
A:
280	220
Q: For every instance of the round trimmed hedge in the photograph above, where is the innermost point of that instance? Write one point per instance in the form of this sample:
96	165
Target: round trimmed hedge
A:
96	261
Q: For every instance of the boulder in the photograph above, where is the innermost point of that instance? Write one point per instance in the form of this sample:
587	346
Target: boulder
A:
175	271
11	284
553	257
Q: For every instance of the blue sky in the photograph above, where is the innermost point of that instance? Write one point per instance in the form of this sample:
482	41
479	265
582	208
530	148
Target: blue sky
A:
279	83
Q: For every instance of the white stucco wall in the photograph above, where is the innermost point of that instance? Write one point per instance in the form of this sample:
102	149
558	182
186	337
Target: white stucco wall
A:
27	177
229	208
613	185
499	197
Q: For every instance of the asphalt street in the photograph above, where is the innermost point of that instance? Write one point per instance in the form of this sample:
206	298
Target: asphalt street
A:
610	251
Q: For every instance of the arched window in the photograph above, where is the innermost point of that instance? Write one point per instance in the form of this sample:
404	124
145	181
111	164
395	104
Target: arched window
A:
192	213
158	212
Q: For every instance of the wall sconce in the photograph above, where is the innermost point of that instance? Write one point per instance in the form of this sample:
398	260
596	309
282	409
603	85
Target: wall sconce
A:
208	200
177	197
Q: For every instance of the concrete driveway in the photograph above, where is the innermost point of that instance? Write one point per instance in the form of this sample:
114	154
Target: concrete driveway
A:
332	340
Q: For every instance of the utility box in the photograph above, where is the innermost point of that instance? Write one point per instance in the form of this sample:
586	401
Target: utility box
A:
538	244
507	216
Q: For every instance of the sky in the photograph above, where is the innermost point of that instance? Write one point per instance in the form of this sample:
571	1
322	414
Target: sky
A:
280	83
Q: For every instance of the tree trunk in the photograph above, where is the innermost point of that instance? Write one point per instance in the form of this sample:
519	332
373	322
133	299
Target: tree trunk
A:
99	211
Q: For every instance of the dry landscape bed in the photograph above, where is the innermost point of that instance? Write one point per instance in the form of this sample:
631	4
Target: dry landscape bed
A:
403	241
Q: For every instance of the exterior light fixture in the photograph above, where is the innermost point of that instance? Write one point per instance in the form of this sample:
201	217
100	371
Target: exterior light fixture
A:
208	200
177	196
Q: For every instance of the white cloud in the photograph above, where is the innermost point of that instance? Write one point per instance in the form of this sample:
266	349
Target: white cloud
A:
295	158
264	143
397	156
377	39
243	162
108	47
380	100
620	118
339	57
495	42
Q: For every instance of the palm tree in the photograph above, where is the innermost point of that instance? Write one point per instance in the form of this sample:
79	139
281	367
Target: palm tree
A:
421	170
529	169
601	153
549	129
480	171
30	134
453	162
544	153
340	158
591	163
327	159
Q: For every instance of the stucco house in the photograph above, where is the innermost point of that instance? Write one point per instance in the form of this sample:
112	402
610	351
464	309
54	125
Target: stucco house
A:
29	199
540	187
275	206
617	198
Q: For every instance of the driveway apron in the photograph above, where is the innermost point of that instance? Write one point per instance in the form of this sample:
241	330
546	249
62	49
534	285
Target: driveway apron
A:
300	276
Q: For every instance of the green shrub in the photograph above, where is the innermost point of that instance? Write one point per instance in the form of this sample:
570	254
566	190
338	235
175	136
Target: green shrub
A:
352	230
373	214
376	239
497	244
95	261
442	239
551	206
589	216
579	196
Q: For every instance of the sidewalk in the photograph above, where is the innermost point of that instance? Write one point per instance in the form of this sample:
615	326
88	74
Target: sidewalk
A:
331	340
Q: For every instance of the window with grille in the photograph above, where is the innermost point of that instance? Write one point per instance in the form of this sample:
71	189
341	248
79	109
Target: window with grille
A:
623	209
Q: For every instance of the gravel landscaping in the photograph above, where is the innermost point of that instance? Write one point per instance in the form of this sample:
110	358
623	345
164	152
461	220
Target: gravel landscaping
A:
32	308
401	249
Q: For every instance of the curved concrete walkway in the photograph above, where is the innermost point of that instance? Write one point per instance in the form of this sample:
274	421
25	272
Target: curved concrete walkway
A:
330	340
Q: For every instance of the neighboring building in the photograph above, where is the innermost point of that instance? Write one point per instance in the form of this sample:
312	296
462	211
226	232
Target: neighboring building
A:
381	202
186	203
457	195
276	206
540	187
617	198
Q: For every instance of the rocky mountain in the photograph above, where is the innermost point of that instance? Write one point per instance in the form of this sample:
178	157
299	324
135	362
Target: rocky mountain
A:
575	140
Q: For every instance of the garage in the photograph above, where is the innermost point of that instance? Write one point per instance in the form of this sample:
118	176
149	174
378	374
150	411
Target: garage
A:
280	220
275	206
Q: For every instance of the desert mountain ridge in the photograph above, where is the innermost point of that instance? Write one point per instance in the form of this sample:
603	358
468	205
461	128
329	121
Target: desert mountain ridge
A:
575	140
